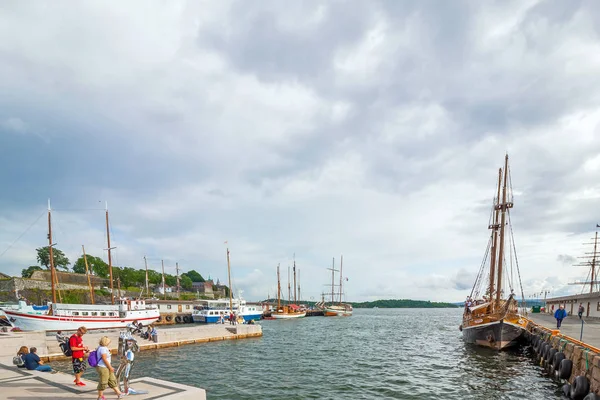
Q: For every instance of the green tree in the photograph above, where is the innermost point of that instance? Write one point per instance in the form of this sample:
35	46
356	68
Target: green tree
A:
186	282
194	276
96	265
60	259
27	272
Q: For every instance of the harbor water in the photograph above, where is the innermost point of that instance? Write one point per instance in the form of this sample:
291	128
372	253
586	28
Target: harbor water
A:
375	354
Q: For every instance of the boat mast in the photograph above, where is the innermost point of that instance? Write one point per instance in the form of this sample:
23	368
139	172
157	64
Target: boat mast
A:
299	297
504	206
594	260
87	272
177	272
230	288
332	279
289	287
295	301
494	228
147	289
278	289
341	263
53	276
110	271
163	279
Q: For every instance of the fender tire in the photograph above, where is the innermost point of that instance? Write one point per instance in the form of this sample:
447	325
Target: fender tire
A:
580	388
550	358
169	318
160	319
178	319
186	319
565	368
592	396
558	357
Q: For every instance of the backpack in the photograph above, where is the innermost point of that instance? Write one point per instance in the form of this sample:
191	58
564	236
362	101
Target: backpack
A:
66	348
18	361
93	358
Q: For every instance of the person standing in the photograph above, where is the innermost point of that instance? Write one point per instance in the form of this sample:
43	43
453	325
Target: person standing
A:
106	372
581	310
79	350
560	314
33	362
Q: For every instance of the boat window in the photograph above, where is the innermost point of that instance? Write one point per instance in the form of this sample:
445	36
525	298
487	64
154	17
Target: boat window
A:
187	307
168	306
75	313
112	314
94	313
85	313
103	314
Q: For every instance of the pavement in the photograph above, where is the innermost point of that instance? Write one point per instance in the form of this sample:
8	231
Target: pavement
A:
18	384
571	326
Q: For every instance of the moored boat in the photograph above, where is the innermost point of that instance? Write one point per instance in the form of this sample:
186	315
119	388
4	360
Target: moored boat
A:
337	309
287	311
214	309
490	320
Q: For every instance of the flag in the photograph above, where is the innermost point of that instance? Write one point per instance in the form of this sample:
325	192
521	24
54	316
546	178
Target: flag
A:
346	279
225	242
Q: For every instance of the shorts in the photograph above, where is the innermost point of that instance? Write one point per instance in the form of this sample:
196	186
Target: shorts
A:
106	378
79	365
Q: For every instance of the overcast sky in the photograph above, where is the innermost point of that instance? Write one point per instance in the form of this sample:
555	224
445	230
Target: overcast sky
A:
369	129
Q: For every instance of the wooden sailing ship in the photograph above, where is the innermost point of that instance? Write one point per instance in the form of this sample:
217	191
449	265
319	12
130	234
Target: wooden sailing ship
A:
491	318
337	309
286	311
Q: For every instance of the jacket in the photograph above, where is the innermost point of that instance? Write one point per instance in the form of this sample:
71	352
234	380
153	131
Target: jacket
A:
560	314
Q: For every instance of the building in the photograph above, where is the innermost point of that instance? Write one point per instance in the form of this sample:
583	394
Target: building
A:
159	289
591	302
4	276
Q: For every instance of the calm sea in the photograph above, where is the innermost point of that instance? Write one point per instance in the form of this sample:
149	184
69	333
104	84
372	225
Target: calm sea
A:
375	354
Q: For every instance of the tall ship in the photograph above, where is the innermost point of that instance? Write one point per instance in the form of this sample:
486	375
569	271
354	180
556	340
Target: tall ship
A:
491	316
56	316
337	308
289	310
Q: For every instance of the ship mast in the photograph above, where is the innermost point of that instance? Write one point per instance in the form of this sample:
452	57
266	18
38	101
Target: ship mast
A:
295	301
147	289
163	279
494	228
110	271
341	263
52	268
278	289
503	207
230	288
87	272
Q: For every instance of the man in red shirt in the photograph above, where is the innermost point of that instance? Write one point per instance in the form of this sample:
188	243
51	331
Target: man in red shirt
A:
78	349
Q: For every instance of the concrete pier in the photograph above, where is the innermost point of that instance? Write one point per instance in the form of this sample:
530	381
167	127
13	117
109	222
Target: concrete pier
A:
571	326
19	383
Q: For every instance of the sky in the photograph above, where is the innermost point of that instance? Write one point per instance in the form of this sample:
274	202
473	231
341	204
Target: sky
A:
372	130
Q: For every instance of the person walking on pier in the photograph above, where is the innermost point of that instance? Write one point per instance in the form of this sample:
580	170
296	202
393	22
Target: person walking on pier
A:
79	350
581	310
106	372
560	314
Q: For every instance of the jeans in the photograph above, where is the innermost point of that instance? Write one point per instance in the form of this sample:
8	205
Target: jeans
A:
44	368
558	322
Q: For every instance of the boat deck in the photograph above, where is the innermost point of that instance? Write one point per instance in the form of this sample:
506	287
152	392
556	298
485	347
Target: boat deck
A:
18	383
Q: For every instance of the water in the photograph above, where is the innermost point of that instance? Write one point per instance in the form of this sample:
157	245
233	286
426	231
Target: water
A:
375	354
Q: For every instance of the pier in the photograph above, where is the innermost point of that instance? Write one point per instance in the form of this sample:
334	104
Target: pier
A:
564	356
18	383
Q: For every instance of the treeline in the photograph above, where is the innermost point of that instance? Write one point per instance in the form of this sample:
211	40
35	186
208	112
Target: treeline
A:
403	303
129	277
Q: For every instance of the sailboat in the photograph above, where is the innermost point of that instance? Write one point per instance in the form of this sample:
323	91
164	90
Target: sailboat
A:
60	316
286	311
338	309
490	319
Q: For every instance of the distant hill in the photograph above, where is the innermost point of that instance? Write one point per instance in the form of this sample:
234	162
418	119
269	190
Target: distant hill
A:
404	303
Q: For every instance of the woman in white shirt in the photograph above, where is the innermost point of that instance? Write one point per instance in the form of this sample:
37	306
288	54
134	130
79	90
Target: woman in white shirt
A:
105	370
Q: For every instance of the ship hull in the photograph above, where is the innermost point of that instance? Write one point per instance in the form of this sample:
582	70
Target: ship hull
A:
495	335
29	322
288	315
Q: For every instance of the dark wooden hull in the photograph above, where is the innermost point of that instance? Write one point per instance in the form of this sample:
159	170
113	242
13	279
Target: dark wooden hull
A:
496	335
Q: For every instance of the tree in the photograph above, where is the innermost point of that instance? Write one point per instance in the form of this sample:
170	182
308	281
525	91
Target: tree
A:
194	276
96	265
186	282
27	272
60	259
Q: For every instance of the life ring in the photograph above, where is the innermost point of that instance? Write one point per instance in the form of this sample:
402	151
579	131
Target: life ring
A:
135	308
178	319
169	318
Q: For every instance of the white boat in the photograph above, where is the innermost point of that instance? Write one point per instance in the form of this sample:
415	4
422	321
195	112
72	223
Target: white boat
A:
214	309
69	317
287	311
337	309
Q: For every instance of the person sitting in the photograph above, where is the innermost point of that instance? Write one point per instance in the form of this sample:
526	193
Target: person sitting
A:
33	362
153	334
19	359
148	333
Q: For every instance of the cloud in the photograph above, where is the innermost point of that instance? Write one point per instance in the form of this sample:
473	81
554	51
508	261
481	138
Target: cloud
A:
316	129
